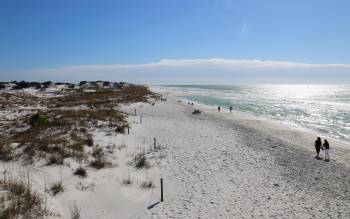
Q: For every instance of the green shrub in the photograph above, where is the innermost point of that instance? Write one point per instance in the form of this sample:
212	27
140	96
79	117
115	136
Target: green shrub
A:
37	120
140	161
121	129
6	152
80	172
99	163
57	188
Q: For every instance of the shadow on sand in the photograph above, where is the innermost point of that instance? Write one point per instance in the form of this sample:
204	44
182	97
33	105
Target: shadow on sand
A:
153	205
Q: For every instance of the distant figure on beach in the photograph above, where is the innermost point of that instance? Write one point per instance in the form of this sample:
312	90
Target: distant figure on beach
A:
219	108
196	111
318	145
326	150
231	109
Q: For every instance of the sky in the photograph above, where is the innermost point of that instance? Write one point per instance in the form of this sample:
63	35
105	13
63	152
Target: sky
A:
176	41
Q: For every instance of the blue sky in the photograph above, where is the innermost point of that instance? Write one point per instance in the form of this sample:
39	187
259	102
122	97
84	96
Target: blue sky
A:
47	39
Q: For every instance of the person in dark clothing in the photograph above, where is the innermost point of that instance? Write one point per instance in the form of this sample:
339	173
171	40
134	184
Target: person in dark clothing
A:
219	108
326	150
318	145
231	109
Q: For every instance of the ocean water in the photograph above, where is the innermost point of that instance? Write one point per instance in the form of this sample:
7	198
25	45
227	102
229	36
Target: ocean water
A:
321	108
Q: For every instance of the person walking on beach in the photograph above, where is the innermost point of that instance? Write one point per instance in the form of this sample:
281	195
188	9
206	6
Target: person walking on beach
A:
326	150
231	109
318	145
219	108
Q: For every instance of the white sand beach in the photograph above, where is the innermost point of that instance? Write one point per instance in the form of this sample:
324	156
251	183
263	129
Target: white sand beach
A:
221	165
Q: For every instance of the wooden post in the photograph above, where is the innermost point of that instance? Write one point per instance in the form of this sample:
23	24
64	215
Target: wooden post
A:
128	130
154	143
161	189
135	112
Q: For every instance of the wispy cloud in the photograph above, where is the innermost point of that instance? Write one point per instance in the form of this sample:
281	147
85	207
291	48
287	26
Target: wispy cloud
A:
216	70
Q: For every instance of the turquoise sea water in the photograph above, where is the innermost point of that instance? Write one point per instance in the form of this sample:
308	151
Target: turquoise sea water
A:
321	108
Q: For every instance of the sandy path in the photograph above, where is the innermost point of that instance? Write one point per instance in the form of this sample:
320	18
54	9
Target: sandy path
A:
219	168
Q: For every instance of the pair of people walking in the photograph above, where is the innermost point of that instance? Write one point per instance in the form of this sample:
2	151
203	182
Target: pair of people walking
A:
324	146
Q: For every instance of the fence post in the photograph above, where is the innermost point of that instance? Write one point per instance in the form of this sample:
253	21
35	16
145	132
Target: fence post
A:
128	130
161	189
